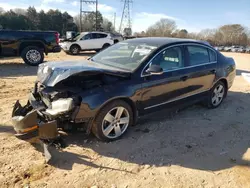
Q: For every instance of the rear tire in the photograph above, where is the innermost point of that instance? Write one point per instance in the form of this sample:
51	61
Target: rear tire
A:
216	95
105	46
109	124
74	50
32	55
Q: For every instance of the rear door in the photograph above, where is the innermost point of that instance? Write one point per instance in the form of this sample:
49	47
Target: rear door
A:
101	40
201	68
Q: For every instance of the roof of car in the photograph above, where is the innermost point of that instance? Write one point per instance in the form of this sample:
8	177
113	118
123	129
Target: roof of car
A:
160	41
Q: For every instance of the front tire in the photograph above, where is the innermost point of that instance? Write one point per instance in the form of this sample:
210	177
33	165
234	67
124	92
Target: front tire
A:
32	55
74	50
216	95
112	121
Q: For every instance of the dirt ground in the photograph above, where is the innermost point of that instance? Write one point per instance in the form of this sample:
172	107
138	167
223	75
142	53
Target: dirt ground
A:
194	147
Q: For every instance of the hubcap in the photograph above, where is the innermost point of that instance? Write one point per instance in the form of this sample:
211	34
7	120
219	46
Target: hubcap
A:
33	56
218	95
75	50
115	122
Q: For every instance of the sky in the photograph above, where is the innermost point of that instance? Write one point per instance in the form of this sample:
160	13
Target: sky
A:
193	15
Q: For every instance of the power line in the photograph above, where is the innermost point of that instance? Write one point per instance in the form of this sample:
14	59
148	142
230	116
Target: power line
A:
126	18
84	11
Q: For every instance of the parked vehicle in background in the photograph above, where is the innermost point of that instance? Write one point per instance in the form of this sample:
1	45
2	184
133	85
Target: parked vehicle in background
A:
30	45
227	49
221	48
247	50
108	92
117	37
87	41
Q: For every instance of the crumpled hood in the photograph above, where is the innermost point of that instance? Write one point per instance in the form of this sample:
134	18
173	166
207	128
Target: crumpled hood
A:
51	73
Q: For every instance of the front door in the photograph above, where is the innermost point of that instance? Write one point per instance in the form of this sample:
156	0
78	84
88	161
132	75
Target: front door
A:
159	90
86	42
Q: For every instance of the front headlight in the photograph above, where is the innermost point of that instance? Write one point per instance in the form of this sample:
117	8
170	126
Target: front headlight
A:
61	106
43	73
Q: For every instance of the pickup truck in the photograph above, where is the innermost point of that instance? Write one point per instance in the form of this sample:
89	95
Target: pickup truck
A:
30	45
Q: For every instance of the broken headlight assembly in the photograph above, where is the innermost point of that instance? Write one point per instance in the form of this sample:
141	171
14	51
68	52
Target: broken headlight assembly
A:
60	106
43	73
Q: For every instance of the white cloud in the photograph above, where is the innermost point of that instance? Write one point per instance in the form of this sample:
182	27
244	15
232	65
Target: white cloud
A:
7	6
102	8
74	3
151	16
143	20
54	1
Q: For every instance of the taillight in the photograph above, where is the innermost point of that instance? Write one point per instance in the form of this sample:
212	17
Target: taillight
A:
57	38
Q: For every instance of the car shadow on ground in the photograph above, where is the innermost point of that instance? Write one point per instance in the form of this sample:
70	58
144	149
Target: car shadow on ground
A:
16	69
238	72
194	137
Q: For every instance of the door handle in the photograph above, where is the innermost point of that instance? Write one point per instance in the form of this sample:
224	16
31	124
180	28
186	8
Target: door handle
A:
213	71
184	78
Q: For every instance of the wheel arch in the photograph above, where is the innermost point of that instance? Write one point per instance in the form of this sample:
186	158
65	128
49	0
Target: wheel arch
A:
38	44
125	99
75	44
224	81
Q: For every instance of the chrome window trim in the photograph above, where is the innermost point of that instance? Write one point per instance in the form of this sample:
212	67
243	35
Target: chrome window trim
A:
179	45
176	99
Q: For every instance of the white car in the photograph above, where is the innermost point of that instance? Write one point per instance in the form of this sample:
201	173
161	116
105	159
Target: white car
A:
87	41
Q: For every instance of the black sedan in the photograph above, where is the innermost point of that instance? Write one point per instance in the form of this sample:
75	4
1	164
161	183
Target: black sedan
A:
108	92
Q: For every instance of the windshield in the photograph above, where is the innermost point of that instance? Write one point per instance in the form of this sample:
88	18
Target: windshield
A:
79	36
124	55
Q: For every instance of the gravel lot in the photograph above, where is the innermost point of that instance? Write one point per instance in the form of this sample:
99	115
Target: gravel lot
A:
194	147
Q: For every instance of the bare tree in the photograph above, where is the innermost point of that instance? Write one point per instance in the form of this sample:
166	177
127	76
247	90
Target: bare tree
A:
20	11
107	25
162	28
1	10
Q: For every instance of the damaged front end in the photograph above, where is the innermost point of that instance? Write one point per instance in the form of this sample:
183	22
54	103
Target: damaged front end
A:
57	100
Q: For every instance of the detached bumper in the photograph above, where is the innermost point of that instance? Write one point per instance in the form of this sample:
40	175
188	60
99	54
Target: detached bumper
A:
27	124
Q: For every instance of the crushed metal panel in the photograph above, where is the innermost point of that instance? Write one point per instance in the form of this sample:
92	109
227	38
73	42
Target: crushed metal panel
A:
48	130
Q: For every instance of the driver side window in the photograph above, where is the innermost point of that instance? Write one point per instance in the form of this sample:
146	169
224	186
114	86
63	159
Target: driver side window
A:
169	59
86	37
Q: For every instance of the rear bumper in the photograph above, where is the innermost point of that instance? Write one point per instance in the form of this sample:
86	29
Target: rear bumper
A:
56	49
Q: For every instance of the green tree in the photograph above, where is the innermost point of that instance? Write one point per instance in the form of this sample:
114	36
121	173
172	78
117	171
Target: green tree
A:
43	21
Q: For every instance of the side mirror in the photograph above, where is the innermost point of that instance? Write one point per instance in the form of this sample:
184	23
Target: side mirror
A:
155	70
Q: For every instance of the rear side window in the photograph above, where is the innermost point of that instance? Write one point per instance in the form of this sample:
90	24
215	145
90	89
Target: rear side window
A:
198	55
100	35
212	55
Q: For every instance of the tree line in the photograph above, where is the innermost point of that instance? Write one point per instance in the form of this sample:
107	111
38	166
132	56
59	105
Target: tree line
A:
53	20
30	19
233	34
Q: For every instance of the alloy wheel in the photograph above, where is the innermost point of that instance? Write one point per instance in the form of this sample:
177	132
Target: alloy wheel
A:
115	122
75	50
33	56
218	94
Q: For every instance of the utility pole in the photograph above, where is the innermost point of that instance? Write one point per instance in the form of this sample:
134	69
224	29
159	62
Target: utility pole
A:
114	19
126	18
86	11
